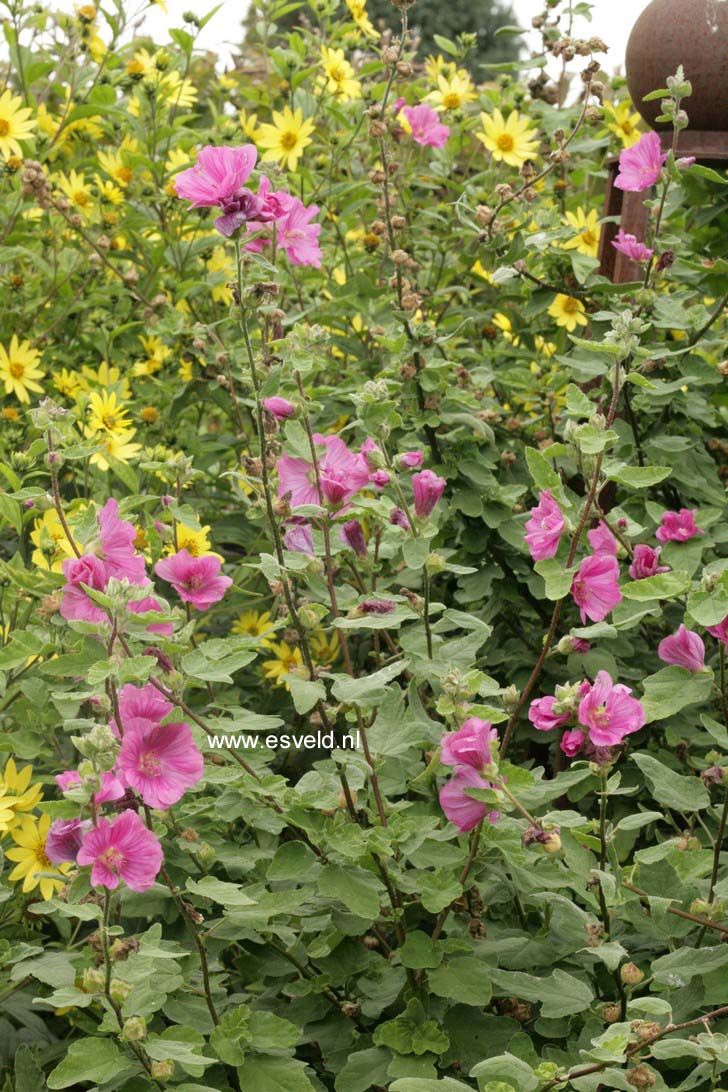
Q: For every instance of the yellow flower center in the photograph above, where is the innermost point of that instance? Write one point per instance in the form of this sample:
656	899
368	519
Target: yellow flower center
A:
505	142
451	100
4	127
124	174
627	127
17	370
80	198
109	421
570	305
589	237
112	858
337	74
288	140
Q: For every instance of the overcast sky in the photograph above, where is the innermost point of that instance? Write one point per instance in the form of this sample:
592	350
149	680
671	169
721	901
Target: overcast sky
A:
612	21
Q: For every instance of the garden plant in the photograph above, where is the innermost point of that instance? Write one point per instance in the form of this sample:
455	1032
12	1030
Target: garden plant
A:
363	565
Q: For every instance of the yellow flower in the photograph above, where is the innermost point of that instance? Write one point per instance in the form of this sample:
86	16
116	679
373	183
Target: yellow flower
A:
67	383
505	325
248	123
253	623
625	124
105	376
51	544
114	446
454	91
285	139
221	262
339	79
156	354
176	160
568	312
19	369
30	853
175	90
15	124
435	65
546	348
108	191
106	413
18	795
586	226
76	189
358	12
196	543
186	370
479	269
11	414
510	139
325	650
286	660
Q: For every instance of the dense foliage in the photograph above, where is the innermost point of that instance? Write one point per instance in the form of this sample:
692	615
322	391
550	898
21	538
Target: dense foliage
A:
363	572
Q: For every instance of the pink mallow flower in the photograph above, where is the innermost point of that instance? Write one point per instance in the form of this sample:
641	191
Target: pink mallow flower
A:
280	408
720	632
629	246
151	605
64	838
601	540
218	178
196	580
640	165
111	788
678	526
595	587
460	808
544	528
121	850
646	562
470	745
115	546
609	712
572	742
425	126
409	460
159	761
142	701
427	487
541	714
298	538
352	534
297	236
342	472
76	605
683	648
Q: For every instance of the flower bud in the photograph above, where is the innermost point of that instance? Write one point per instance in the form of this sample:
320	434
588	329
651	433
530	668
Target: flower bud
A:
92	980
434	564
630	974
162	1071
612	1013
119	991
134	1030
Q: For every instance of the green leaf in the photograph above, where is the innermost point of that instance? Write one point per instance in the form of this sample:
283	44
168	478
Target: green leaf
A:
305	693
709	605
369	690
94	1059
420	951
266	1074
507	1068
671	689
671	789
543	474
419	1084
291	861
363	1070
636	477
558	580
359	891
232	1036
229	894
591	440
559	995
217	660
463	979
29	1077
676	969
663	586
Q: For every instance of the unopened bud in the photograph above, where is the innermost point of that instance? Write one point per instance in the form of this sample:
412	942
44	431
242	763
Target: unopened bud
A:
630	974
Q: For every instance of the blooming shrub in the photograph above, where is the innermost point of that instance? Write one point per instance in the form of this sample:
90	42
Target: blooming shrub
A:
364	579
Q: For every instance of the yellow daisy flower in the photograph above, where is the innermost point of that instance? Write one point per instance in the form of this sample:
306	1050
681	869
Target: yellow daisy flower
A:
286	660
76	189
339	77
480	271
67	383
546	348
109	191
115	445
435	65
248	123
325	649
51	544
568	312
105	376
106	413
509	140
176	160
18	795
15	124
19	371
586	226
452	92
358	12
285	140
625	122
30	853
156	354
196	543
186	371
505	325
221	262
253	623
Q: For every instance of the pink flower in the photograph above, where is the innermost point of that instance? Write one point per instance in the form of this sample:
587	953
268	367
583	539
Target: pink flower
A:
470	745
64	838
720	632
398	518
121	849
461	809
116	546
196	580
76	605
629	246
426	126
159	761
144	606
609	713
572	742
218	175
595	587
379	479
544	528
376	606
297	236
601	540
275	203
410	460
646	562
299	539
352	534
142	701
280	408
541	714
683	648
640	165
111	788
678	526
427	488
343	473
580	646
